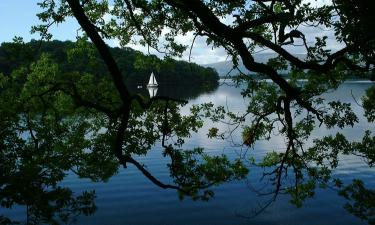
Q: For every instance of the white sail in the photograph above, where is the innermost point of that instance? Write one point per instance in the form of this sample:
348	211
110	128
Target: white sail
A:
152	82
156	83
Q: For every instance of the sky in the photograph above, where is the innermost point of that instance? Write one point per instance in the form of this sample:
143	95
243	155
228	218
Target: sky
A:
18	16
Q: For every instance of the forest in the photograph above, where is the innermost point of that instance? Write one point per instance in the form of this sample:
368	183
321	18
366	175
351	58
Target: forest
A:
302	146
135	65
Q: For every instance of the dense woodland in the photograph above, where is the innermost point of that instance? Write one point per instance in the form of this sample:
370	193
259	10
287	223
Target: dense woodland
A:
133	64
83	117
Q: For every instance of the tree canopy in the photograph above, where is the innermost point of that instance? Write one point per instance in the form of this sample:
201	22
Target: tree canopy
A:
76	57
124	124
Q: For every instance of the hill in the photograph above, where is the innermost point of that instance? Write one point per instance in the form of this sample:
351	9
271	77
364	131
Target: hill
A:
224	68
82	56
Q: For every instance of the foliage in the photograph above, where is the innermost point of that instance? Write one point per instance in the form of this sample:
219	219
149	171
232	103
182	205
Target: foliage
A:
54	102
369	105
57	119
362	200
82	56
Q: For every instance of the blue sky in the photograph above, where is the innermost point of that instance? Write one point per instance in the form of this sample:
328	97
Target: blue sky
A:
18	16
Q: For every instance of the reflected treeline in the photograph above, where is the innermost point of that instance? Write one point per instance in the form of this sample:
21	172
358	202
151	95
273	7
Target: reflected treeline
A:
30	173
55	123
97	119
39	150
177	91
307	162
361	200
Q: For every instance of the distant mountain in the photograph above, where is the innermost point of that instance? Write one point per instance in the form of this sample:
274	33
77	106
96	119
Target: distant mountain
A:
224	68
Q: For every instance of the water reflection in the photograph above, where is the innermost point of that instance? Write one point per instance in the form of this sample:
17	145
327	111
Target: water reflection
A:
152	91
33	174
177	91
31	178
38	150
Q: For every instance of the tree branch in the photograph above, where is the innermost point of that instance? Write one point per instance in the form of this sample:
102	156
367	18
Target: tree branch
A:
103	49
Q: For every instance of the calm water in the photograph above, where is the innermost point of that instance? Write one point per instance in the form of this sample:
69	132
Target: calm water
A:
130	198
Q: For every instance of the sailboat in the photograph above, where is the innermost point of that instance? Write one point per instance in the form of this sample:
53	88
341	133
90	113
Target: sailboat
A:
152	82
152	91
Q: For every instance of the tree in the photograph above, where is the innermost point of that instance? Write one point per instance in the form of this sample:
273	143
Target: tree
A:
257	24
54	121
134	64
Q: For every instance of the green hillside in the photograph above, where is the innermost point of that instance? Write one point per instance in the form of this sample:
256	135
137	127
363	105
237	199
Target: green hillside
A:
82	56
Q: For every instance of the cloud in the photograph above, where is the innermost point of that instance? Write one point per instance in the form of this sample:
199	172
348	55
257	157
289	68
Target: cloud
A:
318	3
201	53
311	33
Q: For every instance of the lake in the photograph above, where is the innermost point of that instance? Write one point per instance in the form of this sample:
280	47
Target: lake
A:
130	198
